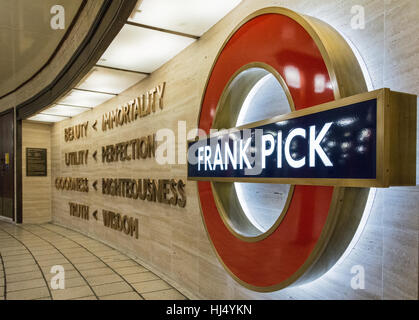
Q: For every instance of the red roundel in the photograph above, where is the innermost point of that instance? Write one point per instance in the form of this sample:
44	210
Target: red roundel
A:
281	42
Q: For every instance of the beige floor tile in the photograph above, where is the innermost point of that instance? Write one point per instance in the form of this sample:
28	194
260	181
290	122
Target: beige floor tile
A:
94	245
122	296
112	288
10	253
90	265
122	264
87	262
111	278
96	272
15	270
105	253
39	248
170	294
67	268
29	294
12	245
53	262
67	246
115	258
46	252
86	298
85	259
24	276
72	293
139	277
23	285
18	257
151	286
49	257
72	283
76	252
19	263
72	274
130	270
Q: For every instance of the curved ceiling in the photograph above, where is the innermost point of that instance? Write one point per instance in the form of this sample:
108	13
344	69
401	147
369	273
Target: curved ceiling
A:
27	40
156	31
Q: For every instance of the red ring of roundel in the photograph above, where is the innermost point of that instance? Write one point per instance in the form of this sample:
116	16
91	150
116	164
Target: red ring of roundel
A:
282	43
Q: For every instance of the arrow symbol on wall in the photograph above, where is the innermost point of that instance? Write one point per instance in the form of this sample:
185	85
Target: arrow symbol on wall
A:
95	214
94	125
94	155
94	185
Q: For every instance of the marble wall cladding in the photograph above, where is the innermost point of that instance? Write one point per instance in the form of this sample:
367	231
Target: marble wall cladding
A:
173	241
36	191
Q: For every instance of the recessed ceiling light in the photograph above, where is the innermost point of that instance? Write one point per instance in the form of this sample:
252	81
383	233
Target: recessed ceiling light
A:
110	81
143	50
47	118
85	98
64	111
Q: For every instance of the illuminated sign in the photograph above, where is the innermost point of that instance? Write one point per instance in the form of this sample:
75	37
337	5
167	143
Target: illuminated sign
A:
339	143
282	198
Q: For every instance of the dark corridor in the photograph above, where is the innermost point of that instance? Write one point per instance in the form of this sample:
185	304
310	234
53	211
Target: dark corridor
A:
6	165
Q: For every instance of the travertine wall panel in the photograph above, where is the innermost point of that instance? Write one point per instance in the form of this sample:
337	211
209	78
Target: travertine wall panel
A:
36	190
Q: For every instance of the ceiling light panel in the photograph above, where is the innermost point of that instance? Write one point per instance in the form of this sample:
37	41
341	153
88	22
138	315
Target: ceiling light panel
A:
47	118
85	99
109	81
193	17
64	111
143	50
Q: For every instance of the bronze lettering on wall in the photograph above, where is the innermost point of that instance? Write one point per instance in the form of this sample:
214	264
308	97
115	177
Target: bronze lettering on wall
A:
141	148
72	184
140	107
76	158
79	211
170	192
116	221
76	132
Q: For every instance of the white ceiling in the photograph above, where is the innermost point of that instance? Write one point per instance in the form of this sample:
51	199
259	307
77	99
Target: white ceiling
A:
157	31
192	17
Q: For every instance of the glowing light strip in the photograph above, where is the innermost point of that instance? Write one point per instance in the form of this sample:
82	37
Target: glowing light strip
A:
248	100
372	192
240	121
361	62
246	210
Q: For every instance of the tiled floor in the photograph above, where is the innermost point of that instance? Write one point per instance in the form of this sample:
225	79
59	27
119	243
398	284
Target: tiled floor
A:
92	270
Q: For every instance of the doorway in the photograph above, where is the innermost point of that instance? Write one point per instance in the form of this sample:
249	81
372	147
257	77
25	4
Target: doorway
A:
7	165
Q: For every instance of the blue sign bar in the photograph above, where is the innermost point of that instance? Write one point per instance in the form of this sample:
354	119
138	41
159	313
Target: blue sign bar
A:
339	143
